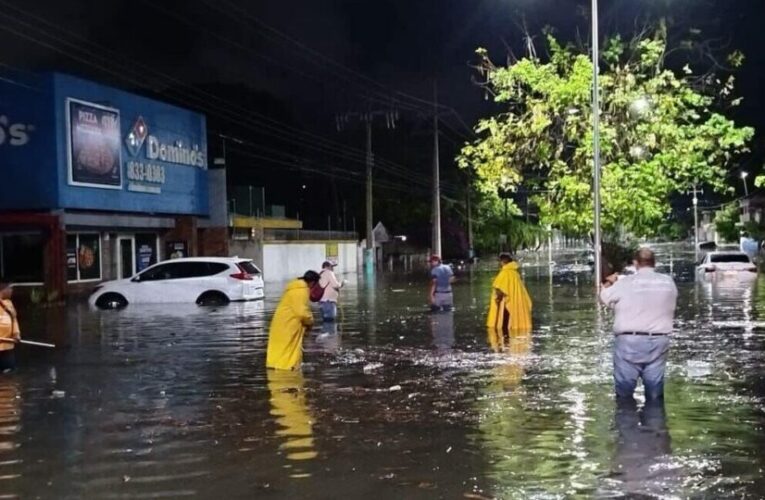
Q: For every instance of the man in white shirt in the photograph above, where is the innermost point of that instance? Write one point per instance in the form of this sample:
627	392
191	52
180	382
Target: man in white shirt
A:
328	281
644	311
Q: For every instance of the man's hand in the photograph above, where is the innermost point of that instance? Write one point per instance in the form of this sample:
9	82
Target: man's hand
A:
610	280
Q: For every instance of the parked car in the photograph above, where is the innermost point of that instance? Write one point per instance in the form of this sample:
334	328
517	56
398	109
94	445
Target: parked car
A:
727	263
200	280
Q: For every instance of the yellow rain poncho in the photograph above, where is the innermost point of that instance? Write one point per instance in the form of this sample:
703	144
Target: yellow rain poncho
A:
291	320
514	310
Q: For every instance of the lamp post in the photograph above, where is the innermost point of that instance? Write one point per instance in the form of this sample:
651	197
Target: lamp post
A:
744	175
596	145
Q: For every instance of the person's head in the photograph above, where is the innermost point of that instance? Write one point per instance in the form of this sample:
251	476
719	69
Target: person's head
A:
311	278
644	258
505	258
329	264
6	290
435	260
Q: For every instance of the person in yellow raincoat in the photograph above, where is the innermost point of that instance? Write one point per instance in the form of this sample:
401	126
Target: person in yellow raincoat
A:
292	318
510	305
9	329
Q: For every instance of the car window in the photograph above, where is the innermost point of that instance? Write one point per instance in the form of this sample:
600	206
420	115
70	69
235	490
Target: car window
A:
248	267
181	270
161	272
730	257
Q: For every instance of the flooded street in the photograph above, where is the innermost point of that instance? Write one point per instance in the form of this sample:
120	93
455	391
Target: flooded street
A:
394	402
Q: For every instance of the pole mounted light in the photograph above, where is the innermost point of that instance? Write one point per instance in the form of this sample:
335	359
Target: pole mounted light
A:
596	145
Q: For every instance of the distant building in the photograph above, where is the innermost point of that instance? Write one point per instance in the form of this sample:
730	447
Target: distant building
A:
98	184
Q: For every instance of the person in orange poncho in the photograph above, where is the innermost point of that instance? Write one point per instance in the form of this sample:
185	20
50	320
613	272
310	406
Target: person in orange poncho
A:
292	318
9	329
510	305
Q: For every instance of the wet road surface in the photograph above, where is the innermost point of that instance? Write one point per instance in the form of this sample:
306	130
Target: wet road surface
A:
393	402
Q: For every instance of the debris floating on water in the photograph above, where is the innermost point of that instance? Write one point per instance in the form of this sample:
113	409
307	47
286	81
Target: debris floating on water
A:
58	394
368	368
394	388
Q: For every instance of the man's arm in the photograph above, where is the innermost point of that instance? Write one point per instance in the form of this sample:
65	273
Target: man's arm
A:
333	281
432	290
611	291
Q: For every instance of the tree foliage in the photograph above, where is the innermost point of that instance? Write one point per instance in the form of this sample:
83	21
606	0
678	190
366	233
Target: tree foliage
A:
726	221
660	131
491	220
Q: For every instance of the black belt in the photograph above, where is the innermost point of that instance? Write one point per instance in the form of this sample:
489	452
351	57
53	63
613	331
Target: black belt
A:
443	292
647	334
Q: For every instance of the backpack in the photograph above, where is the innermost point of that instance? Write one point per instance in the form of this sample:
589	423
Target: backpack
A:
316	292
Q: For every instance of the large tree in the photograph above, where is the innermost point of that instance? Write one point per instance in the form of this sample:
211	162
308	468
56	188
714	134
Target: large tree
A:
661	130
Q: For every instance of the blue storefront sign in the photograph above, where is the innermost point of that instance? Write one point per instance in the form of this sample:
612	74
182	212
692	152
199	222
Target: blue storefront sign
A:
67	143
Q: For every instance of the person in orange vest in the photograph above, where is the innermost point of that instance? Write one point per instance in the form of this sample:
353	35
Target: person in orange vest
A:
10	333
510	305
293	317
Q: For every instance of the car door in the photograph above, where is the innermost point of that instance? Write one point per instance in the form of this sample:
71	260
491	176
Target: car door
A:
192	279
151	285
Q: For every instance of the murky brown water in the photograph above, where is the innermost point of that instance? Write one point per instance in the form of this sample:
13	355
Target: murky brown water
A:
396	403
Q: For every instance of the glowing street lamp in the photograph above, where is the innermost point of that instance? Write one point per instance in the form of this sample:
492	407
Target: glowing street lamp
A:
744	175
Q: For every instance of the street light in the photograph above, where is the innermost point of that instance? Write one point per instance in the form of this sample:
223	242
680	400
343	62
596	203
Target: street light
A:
744	175
596	145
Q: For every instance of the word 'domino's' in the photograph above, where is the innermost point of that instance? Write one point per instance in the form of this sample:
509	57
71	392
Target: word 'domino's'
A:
175	153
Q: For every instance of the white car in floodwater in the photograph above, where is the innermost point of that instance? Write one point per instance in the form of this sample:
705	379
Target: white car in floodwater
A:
200	280
722	264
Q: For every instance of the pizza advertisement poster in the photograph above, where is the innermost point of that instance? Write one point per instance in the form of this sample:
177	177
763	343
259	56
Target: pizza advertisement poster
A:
94	145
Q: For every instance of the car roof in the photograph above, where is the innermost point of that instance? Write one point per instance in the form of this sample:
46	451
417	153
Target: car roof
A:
222	260
728	252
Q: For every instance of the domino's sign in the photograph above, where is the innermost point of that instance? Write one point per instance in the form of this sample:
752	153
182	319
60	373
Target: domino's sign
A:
14	134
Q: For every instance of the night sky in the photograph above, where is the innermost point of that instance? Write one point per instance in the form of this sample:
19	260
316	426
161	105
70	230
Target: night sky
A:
276	74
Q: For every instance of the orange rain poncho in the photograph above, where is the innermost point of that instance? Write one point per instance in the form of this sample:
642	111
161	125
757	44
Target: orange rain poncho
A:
516	302
292	318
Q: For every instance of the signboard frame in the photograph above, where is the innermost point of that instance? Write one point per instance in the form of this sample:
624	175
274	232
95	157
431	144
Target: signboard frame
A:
69	145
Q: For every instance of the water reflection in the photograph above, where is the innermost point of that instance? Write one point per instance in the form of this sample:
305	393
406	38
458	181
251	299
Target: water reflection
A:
641	463
329	338
290	409
442	330
10	426
515	345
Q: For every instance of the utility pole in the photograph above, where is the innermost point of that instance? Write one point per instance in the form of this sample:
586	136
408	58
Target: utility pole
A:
368	118
696	191
369	259
470	225
436	178
596	144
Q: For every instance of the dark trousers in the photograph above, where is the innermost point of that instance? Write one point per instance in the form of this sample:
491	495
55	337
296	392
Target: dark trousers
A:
7	360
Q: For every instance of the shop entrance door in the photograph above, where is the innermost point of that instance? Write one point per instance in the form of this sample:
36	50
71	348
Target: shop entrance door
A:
126	257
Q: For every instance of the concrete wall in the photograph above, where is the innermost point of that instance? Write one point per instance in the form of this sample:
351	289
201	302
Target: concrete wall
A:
247	249
285	260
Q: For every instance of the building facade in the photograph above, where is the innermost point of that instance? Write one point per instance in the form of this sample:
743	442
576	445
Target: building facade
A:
99	184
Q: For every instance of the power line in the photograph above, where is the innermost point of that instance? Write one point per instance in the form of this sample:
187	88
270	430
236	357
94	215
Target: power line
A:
271	127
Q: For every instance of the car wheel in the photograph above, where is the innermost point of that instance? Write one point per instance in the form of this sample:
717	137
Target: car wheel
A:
212	299
111	301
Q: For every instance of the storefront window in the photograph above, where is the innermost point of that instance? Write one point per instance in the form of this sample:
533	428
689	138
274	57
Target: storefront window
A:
145	251
21	257
83	257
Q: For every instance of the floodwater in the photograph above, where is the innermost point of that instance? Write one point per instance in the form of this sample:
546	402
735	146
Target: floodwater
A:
393	402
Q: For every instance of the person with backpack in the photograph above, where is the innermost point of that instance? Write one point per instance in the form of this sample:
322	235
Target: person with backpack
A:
10	333
293	317
331	291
